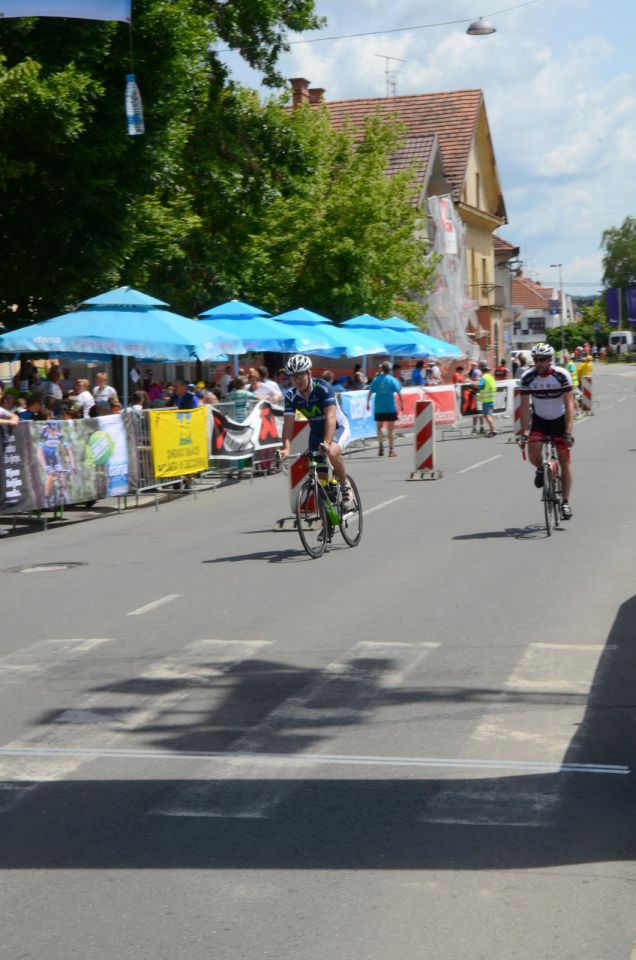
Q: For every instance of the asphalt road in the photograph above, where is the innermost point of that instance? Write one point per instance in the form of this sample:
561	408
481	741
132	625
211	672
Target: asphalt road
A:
215	747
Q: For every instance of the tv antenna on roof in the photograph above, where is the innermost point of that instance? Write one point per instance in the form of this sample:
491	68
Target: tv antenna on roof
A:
390	74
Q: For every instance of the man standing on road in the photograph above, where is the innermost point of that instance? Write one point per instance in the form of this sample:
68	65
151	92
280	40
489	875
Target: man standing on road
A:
487	396
385	388
552	416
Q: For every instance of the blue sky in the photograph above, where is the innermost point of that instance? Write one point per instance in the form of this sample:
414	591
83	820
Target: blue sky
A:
558	78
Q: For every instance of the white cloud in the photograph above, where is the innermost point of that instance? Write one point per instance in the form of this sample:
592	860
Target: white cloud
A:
558	85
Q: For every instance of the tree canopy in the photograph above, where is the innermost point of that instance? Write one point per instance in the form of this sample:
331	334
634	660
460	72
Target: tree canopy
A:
619	262
225	195
80	200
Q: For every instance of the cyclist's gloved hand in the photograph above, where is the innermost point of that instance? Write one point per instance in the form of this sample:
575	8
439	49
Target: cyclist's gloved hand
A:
522	440
324	447
568	439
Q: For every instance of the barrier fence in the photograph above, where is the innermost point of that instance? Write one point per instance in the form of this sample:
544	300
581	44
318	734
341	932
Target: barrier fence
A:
50	464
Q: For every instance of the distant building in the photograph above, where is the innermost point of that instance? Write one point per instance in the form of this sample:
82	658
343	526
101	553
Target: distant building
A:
535	310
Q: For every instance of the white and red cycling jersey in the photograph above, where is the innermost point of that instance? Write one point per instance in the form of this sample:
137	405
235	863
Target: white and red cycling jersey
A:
547	391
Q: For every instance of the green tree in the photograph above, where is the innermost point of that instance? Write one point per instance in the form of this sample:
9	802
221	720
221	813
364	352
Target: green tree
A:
83	205
346	239
584	331
619	262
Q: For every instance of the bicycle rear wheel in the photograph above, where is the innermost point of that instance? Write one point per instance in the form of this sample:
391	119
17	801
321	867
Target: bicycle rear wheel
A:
548	495
351	521
557	498
311	518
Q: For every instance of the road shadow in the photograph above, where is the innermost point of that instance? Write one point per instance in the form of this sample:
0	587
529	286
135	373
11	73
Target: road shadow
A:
285	811
534	531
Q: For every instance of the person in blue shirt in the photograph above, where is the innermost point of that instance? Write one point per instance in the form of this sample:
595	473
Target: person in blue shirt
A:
419	374
385	388
184	398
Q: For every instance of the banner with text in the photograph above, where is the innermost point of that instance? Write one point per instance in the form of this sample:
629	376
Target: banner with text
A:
51	463
178	441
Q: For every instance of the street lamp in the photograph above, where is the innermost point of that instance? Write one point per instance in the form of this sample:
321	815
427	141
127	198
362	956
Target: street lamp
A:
480	28
560	266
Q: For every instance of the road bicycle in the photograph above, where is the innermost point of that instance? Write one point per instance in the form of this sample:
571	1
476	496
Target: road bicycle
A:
552	489
321	510
59	495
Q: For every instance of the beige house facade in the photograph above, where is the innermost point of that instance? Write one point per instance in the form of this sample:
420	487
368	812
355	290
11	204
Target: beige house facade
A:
465	169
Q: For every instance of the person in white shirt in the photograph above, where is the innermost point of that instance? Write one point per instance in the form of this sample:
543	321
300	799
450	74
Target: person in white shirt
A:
84	397
102	392
225	381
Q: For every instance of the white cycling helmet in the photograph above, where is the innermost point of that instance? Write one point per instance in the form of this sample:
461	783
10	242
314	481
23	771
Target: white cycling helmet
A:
299	363
543	350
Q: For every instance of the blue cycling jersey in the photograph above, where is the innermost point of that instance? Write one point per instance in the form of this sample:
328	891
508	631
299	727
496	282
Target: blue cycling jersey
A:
313	407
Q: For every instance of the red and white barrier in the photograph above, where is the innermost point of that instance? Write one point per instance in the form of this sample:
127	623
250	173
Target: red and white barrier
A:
425	441
298	468
587	394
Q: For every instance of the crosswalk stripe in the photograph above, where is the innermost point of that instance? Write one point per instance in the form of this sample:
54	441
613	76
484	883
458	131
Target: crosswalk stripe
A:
550	683
342	691
43	656
100	720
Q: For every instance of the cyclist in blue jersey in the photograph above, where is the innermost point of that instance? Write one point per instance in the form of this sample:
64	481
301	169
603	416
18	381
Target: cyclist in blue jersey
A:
328	426
50	443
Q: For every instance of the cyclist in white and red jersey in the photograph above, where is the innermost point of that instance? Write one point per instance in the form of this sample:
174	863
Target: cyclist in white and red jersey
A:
550	388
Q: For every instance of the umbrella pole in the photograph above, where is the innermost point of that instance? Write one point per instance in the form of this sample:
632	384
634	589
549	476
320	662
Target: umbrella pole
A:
236	364
125	381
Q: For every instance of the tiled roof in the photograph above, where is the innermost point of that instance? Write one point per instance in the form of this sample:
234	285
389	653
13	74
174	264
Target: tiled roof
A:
530	294
503	246
416	153
452	116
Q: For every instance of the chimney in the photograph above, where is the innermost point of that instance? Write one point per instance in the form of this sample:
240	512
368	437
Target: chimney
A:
315	95
300	91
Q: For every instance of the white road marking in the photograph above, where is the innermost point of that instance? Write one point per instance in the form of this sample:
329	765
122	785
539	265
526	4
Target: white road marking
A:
380	506
100	721
35	659
544	667
480	464
153	606
311	759
543	703
341	694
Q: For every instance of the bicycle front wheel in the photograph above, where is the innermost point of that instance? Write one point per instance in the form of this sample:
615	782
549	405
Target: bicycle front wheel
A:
311	518
548	496
351	519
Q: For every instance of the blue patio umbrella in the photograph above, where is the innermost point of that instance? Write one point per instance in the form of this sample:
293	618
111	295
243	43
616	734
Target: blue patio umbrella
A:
234	310
123	322
397	343
339	342
433	345
256	329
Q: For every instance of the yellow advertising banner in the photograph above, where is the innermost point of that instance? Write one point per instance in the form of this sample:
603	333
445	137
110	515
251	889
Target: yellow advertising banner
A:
179	441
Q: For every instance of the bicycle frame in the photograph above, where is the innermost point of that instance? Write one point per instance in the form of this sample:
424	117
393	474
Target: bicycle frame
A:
552	485
315	507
